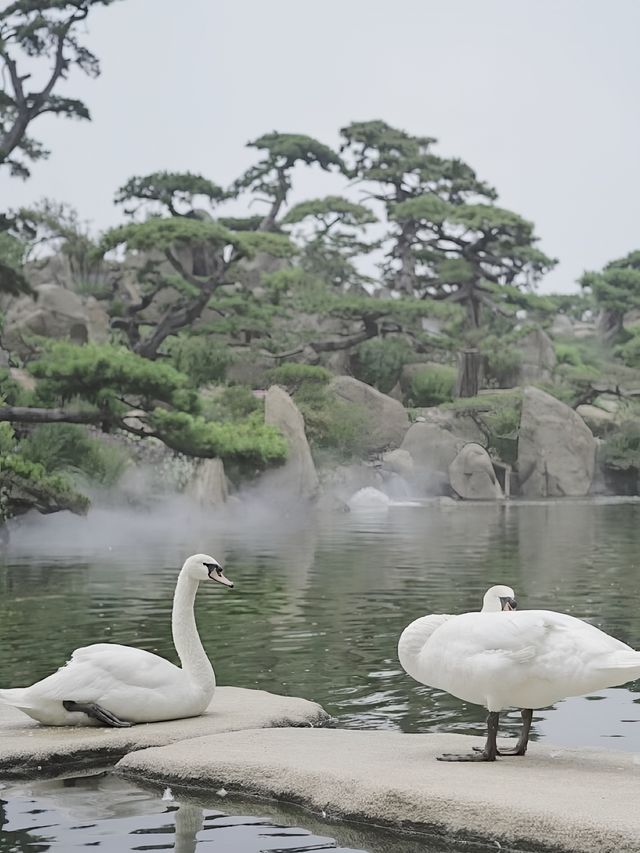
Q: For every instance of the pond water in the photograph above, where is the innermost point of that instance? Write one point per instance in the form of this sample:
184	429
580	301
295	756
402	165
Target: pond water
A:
319	603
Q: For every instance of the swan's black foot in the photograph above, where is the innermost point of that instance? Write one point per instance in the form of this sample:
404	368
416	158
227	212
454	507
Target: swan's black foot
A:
480	755
91	709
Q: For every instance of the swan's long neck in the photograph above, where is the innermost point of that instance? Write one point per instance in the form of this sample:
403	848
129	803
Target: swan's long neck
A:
186	639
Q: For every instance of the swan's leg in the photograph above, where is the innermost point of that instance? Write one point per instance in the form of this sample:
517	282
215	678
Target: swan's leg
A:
490	748
91	709
521	746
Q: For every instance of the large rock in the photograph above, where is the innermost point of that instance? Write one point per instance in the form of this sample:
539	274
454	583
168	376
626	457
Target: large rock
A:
298	476
571	799
556	449
432	446
55	313
208	486
472	476
538	356
399	462
387	420
596	418
27	747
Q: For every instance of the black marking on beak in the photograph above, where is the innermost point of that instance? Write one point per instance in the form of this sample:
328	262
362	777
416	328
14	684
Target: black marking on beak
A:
507	603
213	568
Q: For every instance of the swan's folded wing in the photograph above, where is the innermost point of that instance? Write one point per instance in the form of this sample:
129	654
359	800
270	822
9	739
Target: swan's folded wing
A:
93	670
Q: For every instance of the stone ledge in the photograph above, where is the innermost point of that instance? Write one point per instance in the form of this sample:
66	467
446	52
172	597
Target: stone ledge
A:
574	800
28	749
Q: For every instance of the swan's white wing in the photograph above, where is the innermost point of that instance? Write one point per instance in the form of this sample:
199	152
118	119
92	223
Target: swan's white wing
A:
95	671
413	640
527	658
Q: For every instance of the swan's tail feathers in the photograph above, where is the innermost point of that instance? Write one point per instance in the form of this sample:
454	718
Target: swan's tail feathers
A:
18	697
624	664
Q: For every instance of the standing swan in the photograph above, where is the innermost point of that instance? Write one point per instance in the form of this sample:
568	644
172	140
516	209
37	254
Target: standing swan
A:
522	659
118	685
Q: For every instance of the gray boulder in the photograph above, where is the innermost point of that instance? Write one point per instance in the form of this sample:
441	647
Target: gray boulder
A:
55	313
432	448
538	356
556	449
399	462
208	486
472	476
387	420
297	477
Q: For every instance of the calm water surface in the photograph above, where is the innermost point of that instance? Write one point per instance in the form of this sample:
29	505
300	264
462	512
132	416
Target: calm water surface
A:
319	603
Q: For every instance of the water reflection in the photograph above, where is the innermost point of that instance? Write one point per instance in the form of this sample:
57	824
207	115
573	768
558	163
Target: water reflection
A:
116	816
320	602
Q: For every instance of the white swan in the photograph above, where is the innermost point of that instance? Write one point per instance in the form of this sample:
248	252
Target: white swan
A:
119	685
523	659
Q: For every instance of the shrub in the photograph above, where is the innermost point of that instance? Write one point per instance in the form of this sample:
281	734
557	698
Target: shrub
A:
502	363
68	448
433	385
232	404
498	416
621	449
199	359
629	352
293	375
333	425
569	354
379	361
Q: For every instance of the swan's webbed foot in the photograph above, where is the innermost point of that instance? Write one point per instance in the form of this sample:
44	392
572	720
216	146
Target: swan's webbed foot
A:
92	709
478	755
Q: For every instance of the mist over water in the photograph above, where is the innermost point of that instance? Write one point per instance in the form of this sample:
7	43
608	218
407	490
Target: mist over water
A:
319	602
320	599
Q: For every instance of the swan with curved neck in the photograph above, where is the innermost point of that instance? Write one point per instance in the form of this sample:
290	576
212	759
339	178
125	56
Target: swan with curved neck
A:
507	658
113	685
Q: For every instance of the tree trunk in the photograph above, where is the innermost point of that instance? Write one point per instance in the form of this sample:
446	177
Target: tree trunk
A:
470	363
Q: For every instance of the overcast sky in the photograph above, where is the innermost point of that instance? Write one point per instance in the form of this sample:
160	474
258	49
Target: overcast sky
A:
541	97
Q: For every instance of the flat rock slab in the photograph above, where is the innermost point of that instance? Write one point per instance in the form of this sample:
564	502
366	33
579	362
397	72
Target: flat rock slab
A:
575	800
27	748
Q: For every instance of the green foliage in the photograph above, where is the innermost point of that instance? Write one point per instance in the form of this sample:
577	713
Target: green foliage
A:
629	352
199	358
568	354
284	150
12	250
330	211
617	286
249	441
621	449
379	361
331	425
293	375
433	386
498	417
172	190
502	362
164	234
58	226
104	374
68	448
25	485
234	403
